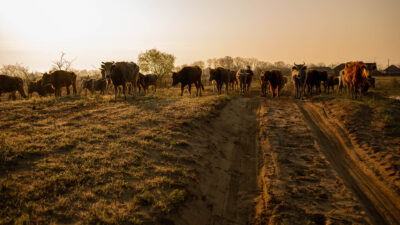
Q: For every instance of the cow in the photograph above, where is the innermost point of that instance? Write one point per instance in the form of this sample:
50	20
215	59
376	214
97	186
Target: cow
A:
343	85
221	76
274	79
122	73
12	85
356	75
263	84
94	85
145	81
140	83
370	83
330	83
249	78
233	82
42	88
314	79
60	79
186	76
242	77
299	79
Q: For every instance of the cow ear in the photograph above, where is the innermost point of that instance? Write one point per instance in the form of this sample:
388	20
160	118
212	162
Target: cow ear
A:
373	67
363	67
294	68
304	67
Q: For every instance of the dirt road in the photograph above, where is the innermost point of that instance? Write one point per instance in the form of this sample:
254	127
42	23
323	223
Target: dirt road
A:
281	161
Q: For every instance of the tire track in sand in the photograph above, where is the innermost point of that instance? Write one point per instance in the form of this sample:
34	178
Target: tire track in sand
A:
226	150
298	184
381	203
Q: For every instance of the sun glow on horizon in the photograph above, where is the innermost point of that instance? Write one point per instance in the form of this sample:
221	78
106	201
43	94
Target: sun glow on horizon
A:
35	32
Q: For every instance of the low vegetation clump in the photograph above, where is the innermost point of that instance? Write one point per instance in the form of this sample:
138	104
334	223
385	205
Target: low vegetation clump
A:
90	160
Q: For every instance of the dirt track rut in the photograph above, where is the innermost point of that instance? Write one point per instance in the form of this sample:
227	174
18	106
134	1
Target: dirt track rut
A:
381	203
279	161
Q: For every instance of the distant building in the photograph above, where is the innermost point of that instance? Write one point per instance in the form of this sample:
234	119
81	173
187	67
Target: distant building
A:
338	68
392	71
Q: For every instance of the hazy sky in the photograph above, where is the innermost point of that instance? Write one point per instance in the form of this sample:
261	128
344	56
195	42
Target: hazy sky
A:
34	32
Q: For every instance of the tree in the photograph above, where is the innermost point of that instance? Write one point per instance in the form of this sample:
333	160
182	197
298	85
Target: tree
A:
154	61
62	63
200	64
18	70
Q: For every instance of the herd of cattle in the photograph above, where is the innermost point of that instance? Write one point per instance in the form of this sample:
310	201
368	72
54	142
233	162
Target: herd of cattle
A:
355	79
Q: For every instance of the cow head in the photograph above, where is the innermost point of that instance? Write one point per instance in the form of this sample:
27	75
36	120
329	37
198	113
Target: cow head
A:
108	68
212	74
367	69
299	71
103	73
47	78
175	78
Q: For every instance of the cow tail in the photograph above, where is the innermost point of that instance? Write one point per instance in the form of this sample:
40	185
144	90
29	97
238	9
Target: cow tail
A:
202	87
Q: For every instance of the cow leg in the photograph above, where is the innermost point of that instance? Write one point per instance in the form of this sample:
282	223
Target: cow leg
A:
74	88
198	88
124	87
227	87
116	92
134	90
190	89
272	91
182	89
213	87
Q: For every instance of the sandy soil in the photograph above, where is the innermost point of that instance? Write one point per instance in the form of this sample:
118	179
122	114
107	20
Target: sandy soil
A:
226	149
281	161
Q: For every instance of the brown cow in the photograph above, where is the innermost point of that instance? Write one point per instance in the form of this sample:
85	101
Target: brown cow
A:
94	85
263	84
42	88
242	77
145	81
59	79
249	78
221	76
314	79
331	82
343	85
370	83
12	85
186	76
233	82
299	79
356	74
122	73
273	78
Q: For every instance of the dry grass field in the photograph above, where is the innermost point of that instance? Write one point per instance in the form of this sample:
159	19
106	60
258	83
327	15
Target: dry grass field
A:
90	160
